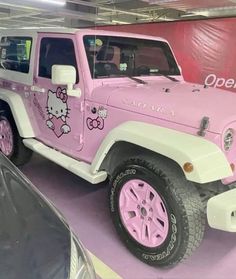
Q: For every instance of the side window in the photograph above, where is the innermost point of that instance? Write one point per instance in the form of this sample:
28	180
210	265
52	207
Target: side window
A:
15	53
56	51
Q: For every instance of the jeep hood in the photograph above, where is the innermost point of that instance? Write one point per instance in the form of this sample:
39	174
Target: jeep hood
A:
178	102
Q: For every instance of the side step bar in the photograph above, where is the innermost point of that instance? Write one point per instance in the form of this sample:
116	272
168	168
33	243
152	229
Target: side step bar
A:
77	167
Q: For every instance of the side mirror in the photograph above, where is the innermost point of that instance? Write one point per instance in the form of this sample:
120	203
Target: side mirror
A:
65	75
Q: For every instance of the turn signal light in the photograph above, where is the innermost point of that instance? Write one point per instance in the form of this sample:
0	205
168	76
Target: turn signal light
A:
188	167
232	167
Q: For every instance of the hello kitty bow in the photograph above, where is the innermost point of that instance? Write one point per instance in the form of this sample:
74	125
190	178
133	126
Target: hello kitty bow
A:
61	94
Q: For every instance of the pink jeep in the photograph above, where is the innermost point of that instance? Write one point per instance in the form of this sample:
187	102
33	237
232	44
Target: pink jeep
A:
108	105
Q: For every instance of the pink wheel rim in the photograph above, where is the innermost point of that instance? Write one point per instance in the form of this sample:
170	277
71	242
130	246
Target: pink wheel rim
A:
6	138
143	213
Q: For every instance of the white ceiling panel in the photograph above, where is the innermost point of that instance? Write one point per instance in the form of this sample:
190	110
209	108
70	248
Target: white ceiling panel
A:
85	13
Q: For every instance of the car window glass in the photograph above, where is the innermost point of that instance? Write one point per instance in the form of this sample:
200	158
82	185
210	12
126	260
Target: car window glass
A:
56	51
31	233
23	199
15	53
152	56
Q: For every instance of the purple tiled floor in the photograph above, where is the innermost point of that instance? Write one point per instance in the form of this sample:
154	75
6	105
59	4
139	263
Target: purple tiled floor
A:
85	207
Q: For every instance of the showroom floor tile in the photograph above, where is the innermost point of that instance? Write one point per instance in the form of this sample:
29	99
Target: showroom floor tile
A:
86	208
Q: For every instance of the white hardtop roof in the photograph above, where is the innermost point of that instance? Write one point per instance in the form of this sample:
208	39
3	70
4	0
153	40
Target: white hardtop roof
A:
34	31
119	34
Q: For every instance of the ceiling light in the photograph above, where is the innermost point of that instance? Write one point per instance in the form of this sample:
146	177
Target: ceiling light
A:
54	2
189	15
120	22
159	2
113	21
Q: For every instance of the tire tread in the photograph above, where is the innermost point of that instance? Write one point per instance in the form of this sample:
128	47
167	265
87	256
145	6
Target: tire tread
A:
187	197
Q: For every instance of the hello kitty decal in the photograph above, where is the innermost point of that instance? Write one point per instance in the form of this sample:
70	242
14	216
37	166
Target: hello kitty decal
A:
98	122
57	110
102	113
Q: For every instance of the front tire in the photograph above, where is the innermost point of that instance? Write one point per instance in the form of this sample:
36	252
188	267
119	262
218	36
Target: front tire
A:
157	213
11	144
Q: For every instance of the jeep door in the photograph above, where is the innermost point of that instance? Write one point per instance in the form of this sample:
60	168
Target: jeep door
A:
58	118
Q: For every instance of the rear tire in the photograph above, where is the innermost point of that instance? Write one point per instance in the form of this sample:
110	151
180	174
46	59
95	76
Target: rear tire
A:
11	143
157	213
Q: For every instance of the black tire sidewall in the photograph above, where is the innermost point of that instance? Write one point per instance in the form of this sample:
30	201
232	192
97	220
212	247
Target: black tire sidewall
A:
175	243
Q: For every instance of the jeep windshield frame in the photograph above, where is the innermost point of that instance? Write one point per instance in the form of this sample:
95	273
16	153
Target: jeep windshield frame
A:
113	57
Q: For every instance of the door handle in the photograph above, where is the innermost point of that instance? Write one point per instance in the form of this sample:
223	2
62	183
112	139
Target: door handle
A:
37	89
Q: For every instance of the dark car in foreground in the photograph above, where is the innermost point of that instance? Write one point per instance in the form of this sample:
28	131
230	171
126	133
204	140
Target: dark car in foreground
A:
35	240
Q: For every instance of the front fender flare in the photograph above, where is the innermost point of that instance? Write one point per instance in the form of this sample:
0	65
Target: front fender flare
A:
19	113
210	163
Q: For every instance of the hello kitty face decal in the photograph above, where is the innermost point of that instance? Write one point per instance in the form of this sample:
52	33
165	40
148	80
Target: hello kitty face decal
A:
58	111
123	67
102	112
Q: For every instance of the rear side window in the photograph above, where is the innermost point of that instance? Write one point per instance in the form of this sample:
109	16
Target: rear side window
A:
56	51
15	53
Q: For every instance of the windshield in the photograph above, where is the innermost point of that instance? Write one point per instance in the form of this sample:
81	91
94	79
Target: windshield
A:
121	56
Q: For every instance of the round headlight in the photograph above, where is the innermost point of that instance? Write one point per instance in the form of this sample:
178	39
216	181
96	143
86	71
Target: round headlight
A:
228	139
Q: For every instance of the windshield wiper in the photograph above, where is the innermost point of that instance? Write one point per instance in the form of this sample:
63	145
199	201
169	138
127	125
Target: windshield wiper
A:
169	77
138	80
